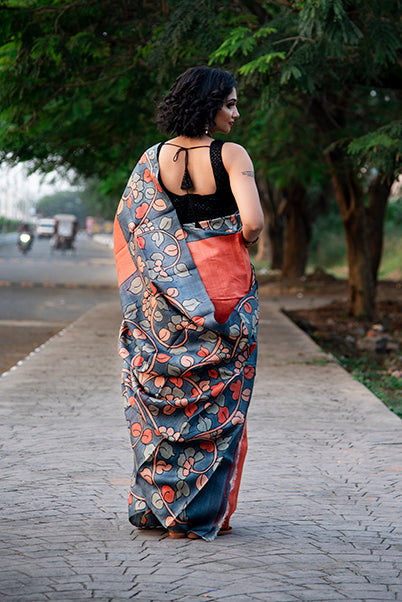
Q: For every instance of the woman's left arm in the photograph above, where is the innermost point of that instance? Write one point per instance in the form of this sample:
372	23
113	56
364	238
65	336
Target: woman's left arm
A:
242	182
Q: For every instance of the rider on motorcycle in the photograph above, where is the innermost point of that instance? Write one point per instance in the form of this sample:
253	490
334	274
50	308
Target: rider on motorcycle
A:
25	228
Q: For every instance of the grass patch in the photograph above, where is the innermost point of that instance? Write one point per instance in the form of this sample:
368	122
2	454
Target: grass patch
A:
386	387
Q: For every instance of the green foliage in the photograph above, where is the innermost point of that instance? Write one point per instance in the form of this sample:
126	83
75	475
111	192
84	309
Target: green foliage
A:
96	203
241	40
84	201
328	246
386	387
391	264
8	225
77	93
261	64
79	82
381	147
64	201
393	217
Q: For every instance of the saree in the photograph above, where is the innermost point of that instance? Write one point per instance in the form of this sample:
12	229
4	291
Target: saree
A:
189	354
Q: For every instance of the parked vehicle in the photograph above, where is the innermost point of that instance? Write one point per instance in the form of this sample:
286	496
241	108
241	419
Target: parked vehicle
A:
66	228
45	227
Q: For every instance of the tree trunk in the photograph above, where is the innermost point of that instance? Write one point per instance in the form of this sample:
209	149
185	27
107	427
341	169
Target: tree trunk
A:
297	231
378	195
270	247
349	196
275	233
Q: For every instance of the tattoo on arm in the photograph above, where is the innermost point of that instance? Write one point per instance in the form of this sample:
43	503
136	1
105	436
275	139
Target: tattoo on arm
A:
248	173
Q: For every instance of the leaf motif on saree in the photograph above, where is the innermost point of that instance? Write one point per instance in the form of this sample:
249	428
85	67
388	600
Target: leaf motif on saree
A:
149	193
157	238
181	270
187	361
234	331
159	205
212	409
164	335
141	210
178	350
173	370
168	493
171	250
157	501
217	223
201	481
140	505
209	336
223	443
172	292
182	489
145	325
166	450
165	223
136	286
149	451
191	304
147	475
180	234
204	424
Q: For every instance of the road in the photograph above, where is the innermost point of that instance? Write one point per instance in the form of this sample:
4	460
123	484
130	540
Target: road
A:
42	292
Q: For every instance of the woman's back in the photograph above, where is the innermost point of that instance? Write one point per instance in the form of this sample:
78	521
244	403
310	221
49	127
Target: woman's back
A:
195	179
172	164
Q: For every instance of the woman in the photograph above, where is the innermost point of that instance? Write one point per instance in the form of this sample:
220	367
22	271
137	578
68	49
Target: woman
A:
188	293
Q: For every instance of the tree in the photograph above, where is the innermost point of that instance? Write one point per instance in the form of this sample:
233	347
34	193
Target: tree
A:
286	152
80	81
339	63
69	74
64	201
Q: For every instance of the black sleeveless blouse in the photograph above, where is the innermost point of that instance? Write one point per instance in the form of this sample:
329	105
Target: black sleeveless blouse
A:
192	207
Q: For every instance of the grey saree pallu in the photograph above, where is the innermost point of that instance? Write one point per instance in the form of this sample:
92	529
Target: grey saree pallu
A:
188	341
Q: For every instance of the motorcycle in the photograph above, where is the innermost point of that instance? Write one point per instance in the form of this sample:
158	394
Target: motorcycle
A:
24	242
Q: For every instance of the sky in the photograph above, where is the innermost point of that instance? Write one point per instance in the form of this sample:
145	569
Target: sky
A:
19	192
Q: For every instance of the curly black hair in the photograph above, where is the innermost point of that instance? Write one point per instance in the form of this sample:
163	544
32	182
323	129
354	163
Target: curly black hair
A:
196	96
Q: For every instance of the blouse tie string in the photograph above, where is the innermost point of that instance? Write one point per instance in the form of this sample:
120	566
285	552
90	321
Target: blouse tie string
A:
186	183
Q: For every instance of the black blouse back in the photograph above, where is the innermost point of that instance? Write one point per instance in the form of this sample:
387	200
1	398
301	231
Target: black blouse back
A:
192	207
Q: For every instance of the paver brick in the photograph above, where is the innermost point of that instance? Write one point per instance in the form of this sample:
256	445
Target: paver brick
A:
318	517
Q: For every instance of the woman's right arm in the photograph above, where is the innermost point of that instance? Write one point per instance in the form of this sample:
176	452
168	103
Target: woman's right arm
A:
242	182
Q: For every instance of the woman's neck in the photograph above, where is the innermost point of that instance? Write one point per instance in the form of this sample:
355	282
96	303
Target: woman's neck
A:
187	141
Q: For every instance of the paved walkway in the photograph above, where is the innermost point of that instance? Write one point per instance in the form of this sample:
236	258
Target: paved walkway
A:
319	516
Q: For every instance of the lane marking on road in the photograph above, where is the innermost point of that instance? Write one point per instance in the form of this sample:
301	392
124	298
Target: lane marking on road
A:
96	262
112	287
32	324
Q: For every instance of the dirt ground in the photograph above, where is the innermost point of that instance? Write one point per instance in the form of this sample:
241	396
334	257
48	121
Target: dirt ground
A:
18	342
354	337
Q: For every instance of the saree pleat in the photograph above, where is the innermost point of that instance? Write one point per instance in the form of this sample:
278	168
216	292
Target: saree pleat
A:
188	341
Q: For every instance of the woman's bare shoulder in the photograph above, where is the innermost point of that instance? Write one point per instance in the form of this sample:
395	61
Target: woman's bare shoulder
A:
233	153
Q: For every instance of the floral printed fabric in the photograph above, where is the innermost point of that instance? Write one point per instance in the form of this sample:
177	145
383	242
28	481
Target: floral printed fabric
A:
187	380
